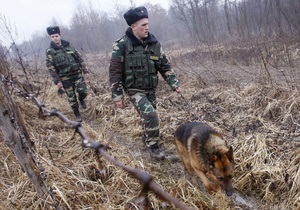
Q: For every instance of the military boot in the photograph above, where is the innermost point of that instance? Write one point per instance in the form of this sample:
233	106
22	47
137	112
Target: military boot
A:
82	103
77	115
156	152
60	91
144	138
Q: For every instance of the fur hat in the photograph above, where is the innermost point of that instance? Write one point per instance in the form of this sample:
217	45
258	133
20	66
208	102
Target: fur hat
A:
133	15
53	30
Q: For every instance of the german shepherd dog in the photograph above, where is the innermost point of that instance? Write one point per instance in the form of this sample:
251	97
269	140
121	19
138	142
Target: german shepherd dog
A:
203	150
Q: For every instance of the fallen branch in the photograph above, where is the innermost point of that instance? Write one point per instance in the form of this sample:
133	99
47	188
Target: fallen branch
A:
146	179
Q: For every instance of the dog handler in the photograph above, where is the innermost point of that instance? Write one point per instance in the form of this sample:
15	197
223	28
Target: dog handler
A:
136	59
66	65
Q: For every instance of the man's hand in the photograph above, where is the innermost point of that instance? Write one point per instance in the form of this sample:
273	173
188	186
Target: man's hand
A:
87	76
59	85
120	104
178	90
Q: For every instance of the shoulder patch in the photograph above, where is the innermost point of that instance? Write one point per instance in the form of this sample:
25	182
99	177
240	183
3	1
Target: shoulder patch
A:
115	46
118	44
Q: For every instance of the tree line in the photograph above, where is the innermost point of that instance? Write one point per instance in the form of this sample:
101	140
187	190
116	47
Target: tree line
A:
186	22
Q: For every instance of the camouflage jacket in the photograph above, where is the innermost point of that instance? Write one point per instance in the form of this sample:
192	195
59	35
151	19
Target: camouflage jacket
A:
64	61
119	65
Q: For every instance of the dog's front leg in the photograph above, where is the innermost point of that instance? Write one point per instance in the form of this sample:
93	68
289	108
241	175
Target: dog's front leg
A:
214	179
207	183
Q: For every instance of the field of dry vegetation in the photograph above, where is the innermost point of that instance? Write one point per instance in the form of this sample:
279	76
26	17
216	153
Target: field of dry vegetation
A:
252	96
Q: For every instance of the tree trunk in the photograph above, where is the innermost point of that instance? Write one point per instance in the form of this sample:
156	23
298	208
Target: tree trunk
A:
227	17
16	138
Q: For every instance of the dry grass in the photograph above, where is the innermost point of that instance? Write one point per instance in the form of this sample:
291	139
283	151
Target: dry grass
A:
260	122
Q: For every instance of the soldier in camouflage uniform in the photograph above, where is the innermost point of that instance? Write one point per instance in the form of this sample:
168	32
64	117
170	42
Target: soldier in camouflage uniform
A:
66	65
136	59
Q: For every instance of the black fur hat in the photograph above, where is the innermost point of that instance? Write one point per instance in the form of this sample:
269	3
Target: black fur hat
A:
133	15
53	30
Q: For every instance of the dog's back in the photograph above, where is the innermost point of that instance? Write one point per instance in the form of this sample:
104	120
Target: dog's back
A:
200	137
203	150
190	129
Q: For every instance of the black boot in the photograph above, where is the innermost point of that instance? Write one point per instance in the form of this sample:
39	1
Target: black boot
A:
82	103
77	115
156	152
60	91
144	138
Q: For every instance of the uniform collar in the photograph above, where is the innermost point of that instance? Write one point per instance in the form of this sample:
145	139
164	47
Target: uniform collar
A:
151	39
64	43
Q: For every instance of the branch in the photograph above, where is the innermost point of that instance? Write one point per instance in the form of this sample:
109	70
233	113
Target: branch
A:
145	178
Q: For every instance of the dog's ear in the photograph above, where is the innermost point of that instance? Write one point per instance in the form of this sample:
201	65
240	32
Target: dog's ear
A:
229	154
212	159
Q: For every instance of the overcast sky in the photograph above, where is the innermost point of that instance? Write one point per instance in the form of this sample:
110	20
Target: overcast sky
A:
33	16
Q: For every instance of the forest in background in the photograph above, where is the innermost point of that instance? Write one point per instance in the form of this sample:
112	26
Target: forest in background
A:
199	22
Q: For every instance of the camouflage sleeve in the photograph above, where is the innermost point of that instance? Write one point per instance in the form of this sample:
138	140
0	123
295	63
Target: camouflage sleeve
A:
167	72
51	66
81	61
115	70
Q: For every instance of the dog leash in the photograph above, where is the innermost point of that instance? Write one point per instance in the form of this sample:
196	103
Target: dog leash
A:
189	108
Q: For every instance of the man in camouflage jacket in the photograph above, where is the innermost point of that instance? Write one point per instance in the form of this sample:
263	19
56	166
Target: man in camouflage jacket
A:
66	65
136	59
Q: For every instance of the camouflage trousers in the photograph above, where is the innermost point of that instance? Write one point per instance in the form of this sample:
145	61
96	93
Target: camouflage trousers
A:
72	85
145	103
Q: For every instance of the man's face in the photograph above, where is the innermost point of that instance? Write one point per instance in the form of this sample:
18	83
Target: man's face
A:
141	28
56	39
